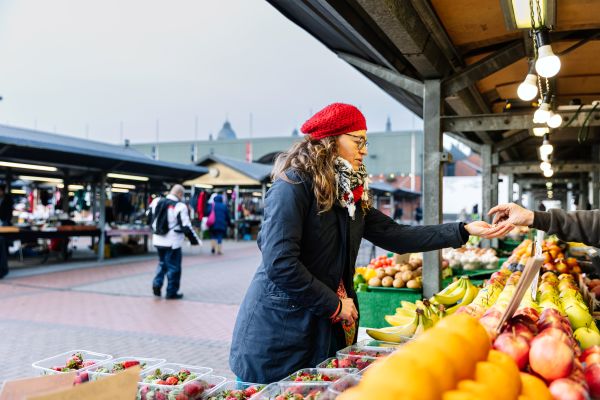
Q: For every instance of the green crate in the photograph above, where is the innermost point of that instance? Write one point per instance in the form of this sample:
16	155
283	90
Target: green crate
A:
378	302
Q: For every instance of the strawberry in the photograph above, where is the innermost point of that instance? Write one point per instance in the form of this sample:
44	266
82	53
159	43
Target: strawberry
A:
131	363
345	363
84	376
160	396
172	381
181	396
88	363
252	390
193	389
161	382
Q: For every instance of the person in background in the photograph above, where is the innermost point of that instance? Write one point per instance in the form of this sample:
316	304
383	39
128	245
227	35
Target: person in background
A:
170	221
571	226
300	307
398	213
418	215
542	207
6	207
218	229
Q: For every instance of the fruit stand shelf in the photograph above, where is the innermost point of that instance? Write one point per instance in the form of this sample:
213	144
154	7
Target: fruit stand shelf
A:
380	301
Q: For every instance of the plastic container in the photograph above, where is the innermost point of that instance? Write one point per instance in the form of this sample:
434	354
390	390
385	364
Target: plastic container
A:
147	364
194	388
306	390
338	387
47	365
231	387
327	374
357	356
329	363
378	344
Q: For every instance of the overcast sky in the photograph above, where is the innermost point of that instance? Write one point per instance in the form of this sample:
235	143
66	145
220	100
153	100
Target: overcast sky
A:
71	64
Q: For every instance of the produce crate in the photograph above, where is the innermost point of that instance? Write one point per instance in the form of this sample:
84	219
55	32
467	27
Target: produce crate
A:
378	302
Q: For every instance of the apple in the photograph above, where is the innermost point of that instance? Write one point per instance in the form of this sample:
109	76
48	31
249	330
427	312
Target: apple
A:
515	346
592	378
529	312
588	352
567	389
548	276
579	316
586	337
550	357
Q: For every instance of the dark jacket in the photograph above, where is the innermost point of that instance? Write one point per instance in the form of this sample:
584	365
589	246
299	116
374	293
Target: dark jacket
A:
574	226
284	321
222	218
6	210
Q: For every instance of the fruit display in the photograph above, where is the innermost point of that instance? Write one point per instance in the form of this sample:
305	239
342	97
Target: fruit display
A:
469	259
176	381
75	360
116	365
293	391
359	356
320	374
235	391
554	258
382	271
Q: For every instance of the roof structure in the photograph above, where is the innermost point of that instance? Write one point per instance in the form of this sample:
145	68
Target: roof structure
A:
227	171
82	157
389	190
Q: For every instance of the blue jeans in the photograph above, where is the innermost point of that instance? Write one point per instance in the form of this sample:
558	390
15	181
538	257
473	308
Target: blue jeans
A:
169	264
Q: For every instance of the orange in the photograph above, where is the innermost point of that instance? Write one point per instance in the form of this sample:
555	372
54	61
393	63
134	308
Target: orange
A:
508	365
497	380
435	361
455	347
469	328
459	395
476	388
533	387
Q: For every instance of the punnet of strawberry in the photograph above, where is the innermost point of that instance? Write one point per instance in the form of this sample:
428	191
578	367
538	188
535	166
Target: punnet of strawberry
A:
183	385
291	394
120	366
74	363
159	378
308	377
237	394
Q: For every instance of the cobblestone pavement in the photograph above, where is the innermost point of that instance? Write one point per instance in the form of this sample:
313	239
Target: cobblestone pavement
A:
109	308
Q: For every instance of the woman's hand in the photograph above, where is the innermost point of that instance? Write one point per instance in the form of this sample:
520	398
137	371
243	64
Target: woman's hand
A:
487	231
348	312
513	214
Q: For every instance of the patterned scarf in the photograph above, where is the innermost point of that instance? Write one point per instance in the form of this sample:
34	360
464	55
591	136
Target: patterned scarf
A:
351	186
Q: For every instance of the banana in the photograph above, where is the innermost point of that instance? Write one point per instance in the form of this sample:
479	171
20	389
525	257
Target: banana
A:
423	324
470	294
450	287
452	297
396	320
388	334
408	329
407	305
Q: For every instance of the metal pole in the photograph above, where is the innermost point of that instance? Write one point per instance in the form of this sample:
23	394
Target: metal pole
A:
102	219
236	212
583	191
65	193
413	160
486	185
432	181
511	193
596	178
493	195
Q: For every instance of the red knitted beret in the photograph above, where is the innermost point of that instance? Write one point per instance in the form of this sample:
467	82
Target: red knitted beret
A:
335	119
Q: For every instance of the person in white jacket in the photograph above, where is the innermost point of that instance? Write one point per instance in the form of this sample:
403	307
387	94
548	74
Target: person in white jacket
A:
170	222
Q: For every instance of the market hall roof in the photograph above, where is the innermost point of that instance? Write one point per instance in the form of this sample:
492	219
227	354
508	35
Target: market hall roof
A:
83	157
400	44
387	189
227	171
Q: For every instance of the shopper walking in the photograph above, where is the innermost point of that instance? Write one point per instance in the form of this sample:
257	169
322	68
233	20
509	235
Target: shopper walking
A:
218	223
300	307
170	222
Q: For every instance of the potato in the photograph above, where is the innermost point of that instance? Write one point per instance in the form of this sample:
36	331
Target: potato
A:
374	282
418	272
390	271
407	276
404	268
398	275
398	283
413	284
387	281
414	264
380	273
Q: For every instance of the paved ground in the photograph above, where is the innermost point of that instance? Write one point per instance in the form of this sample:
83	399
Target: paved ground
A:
109	308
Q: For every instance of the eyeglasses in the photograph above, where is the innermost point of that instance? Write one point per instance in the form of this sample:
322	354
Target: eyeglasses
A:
362	143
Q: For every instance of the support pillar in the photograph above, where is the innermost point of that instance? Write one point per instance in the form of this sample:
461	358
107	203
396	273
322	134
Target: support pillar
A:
65	193
596	177
493	195
102	219
487	185
510	178
236	212
432	181
584	190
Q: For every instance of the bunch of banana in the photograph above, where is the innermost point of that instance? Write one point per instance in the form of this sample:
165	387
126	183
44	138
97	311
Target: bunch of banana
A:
488	296
401	333
458	294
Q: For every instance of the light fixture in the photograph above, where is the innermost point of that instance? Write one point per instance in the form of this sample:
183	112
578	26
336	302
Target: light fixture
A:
203	186
257	194
547	63
118	190
71	193
548	173
542	114
541	130
129	177
517	13
545	165
76	187
40	179
17	191
549	185
27	166
123	186
555	120
528	89
545	157
546	148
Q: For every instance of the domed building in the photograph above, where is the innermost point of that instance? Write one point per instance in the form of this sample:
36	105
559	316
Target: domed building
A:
226	133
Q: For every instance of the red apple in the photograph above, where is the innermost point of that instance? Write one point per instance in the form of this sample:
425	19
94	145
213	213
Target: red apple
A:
588	352
566	389
523	330
515	346
550	357
555	333
529	312
592	377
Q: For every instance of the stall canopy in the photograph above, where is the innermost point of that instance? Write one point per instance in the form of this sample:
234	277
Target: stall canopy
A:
84	158
384	188
226	171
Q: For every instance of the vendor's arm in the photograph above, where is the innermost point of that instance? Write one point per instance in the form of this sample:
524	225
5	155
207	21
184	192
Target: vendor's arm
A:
286	208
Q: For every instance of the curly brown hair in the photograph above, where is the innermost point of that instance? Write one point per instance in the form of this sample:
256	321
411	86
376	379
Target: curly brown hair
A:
314	159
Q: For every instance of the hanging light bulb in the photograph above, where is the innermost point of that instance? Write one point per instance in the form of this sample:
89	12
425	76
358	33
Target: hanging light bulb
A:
555	120
528	89
547	64
546	149
544	157
548	173
541	130
542	114
545	165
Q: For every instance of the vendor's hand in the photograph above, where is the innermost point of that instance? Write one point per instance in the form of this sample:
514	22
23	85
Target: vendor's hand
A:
487	231
512	214
348	313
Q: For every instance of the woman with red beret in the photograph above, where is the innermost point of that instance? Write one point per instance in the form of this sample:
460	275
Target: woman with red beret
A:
300	307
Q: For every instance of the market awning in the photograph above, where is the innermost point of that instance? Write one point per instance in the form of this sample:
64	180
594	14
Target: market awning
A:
226	171
384	188
83	157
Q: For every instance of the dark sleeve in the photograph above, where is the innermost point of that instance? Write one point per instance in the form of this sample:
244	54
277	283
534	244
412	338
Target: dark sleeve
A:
382	231
286	208
574	226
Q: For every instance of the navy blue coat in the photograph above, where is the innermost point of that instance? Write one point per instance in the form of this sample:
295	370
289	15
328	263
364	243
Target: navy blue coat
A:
283	323
222	219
